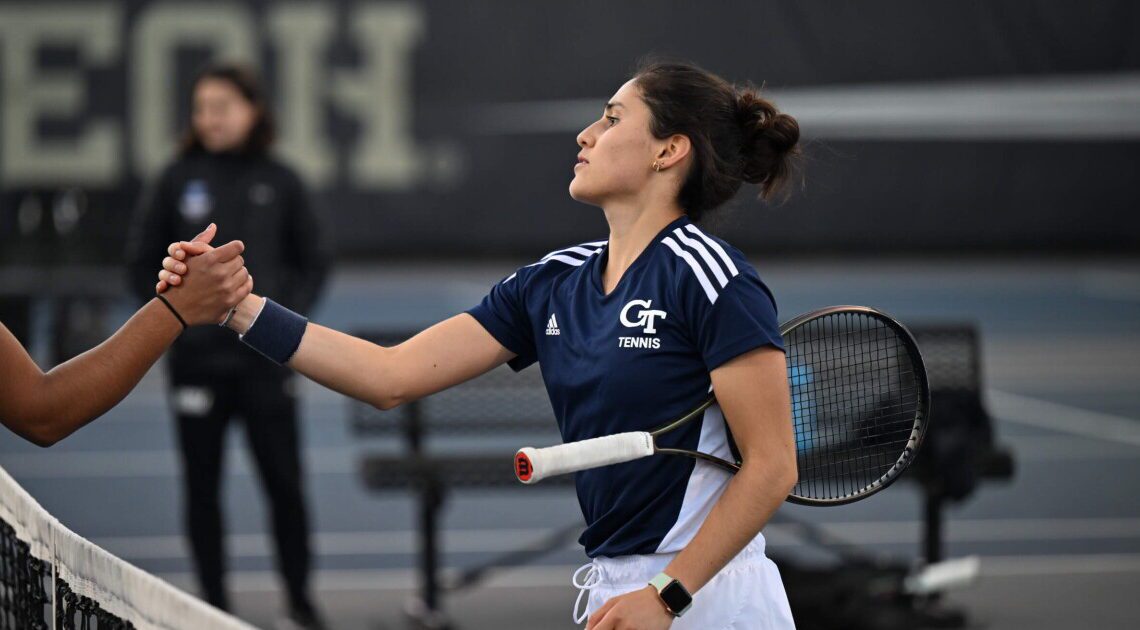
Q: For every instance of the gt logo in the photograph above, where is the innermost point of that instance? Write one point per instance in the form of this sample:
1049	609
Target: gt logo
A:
644	317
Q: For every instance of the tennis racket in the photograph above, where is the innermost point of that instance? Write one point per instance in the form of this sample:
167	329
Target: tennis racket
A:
860	407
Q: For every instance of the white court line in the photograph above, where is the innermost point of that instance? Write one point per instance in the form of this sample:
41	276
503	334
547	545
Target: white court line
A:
973	530
380	579
1114	285
404	542
1061	564
559	575
398	542
157	463
1062	448
1057	417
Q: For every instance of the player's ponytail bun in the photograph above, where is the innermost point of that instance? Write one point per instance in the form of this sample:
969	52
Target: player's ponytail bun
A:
736	135
770	142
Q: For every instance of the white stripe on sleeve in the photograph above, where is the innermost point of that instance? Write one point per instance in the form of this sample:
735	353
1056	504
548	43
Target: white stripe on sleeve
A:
719	250
713	265
573	250
560	258
696	267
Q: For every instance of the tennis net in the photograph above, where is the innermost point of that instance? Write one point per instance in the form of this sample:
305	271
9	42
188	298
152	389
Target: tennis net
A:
52	578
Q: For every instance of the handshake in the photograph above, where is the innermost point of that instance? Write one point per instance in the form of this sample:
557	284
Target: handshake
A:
204	284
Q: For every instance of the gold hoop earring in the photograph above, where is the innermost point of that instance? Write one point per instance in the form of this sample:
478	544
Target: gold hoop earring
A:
656	166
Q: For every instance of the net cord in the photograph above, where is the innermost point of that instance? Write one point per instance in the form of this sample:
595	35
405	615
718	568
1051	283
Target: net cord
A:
141	598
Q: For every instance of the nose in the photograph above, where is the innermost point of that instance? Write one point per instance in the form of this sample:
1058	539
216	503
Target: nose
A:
585	137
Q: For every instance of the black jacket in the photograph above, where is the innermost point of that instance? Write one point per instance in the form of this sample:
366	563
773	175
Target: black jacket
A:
253	198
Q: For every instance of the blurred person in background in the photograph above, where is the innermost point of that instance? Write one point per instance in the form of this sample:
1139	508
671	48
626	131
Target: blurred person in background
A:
224	172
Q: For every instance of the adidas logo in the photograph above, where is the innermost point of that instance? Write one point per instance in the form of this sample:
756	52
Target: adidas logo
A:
552	326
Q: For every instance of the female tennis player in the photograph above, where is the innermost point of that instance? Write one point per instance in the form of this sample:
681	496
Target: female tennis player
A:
45	408
630	332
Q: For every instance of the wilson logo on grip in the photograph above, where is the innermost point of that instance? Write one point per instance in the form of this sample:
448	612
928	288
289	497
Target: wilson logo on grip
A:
523	467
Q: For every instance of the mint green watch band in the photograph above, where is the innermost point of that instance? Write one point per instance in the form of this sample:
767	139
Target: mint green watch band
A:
660	581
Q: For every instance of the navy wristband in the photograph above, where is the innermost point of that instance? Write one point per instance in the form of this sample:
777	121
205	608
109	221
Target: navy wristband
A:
276	333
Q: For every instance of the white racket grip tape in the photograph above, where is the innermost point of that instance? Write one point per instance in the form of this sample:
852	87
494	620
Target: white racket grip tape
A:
535	464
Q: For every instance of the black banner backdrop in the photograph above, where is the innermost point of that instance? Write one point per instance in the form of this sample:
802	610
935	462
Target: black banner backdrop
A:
432	128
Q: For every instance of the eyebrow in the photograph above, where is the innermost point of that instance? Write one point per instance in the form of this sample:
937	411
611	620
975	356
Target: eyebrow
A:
612	105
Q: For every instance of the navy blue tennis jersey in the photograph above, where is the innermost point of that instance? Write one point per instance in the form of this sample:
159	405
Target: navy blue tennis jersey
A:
632	360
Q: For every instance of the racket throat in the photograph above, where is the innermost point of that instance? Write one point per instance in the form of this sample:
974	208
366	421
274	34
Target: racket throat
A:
716	461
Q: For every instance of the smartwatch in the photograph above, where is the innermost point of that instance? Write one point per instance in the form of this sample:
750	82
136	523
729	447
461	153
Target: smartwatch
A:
673	594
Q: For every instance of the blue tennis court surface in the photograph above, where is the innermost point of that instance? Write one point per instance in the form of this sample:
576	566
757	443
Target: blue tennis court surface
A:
1060	544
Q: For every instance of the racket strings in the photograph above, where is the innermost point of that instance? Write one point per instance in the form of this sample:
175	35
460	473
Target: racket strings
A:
855	396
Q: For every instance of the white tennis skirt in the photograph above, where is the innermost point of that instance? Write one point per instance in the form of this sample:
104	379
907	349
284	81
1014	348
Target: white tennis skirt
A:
747	593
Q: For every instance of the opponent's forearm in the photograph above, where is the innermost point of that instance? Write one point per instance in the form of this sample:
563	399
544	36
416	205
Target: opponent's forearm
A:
748	502
56	404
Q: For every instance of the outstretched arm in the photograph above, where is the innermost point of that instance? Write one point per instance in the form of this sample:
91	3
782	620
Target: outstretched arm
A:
45	408
449	353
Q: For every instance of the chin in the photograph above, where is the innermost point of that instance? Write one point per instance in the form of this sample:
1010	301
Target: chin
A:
578	193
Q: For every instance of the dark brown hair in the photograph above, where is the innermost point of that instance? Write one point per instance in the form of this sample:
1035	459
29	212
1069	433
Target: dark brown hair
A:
245	79
736	135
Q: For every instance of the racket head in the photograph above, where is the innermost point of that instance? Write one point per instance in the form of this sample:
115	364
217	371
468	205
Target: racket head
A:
860	402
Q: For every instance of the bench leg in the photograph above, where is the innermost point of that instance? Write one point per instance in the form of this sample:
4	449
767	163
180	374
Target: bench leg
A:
932	539
426	612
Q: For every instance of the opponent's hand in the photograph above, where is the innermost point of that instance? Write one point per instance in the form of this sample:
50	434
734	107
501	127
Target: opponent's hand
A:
215	282
178	252
639	610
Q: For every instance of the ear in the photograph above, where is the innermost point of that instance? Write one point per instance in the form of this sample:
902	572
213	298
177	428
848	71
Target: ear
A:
674	150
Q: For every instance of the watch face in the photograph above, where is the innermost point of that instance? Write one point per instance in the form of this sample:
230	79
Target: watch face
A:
676	597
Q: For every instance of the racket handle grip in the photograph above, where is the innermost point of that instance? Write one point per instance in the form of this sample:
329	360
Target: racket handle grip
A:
535	464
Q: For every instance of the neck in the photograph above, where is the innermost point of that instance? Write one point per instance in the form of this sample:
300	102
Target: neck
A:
632	226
